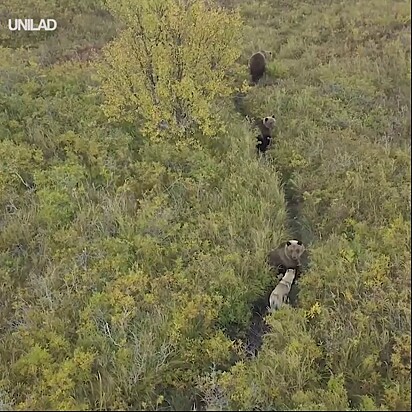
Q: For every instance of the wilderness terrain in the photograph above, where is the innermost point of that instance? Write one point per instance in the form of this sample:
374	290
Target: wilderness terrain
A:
132	256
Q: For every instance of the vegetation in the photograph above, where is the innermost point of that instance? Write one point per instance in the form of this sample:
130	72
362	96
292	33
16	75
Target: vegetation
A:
169	63
136	217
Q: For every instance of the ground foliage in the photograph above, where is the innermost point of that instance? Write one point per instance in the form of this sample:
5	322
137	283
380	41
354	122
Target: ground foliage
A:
130	258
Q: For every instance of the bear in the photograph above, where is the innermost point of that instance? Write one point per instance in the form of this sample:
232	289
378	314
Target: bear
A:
266	126
287	257
257	65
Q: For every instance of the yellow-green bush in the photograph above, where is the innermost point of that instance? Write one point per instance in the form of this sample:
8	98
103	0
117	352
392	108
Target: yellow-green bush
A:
123	263
169	64
128	266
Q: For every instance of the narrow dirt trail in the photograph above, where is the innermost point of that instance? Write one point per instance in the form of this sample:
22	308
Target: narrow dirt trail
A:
258	327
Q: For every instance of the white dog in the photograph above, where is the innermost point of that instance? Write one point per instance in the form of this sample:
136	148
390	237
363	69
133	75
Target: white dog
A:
280	294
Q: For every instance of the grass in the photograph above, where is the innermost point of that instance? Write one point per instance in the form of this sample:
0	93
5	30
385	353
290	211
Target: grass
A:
128	269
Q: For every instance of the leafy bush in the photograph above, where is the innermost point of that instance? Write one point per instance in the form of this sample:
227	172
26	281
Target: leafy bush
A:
129	264
124	263
168	64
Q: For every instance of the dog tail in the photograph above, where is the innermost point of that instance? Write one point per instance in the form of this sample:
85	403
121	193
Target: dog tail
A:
275	303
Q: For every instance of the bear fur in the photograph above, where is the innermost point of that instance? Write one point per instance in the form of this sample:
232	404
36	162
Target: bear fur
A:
266	126
287	257
257	65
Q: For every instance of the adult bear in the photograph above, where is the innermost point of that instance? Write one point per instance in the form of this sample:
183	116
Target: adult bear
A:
257	65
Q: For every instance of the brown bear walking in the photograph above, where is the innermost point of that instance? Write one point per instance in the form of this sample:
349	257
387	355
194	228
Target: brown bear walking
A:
266	126
257	65
287	257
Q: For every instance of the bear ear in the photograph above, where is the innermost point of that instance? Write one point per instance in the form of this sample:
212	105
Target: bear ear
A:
274	117
299	243
288	243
